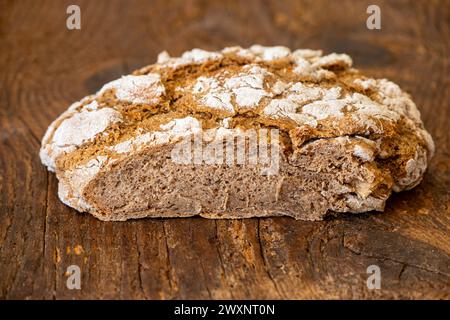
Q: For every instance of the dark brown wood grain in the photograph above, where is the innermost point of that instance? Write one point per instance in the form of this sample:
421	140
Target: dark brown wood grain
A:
44	67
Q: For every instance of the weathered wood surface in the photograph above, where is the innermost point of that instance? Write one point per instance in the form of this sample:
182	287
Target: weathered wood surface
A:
44	67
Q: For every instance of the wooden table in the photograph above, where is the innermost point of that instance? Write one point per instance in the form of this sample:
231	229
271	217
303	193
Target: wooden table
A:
44	67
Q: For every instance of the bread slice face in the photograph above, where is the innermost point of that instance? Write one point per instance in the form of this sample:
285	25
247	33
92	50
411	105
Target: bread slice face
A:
238	133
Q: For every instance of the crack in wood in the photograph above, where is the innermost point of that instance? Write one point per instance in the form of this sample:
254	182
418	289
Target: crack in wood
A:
222	266
401	272
139	266
385	258
168	263
264	259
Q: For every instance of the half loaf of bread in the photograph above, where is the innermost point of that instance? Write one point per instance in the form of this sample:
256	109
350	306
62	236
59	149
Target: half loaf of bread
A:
238	133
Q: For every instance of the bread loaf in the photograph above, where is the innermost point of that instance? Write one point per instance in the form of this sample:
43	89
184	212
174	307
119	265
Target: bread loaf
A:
238	133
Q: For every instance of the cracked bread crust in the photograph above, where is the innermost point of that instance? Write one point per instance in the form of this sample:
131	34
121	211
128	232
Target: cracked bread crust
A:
347	141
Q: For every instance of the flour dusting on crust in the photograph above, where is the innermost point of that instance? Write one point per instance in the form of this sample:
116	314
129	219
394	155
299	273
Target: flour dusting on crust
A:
75	130
146	89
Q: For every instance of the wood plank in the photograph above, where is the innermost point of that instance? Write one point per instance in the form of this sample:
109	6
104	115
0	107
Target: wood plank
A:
45	67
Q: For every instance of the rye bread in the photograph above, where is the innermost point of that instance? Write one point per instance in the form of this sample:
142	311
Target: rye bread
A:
337	141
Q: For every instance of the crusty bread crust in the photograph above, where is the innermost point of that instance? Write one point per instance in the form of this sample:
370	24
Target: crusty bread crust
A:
345	141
